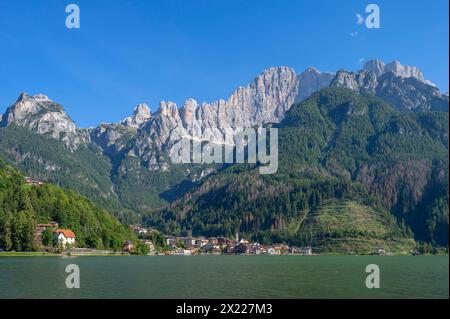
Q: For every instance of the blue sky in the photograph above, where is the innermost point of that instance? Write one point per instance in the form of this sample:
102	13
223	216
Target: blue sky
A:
128	52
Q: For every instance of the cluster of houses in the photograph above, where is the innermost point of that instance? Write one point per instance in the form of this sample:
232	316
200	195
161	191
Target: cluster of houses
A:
219	246
181	245
30	181
222	245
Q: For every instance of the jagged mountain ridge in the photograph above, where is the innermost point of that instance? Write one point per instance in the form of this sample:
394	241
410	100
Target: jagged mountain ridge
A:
136	149
395	67
406	93
264	100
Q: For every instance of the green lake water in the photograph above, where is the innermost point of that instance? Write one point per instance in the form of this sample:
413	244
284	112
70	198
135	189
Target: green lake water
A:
225	277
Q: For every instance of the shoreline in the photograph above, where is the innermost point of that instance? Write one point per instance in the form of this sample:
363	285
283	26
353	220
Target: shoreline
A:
44	254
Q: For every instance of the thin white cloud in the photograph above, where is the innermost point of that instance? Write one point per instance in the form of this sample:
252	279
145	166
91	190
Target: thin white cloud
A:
360	19
354	34
361	60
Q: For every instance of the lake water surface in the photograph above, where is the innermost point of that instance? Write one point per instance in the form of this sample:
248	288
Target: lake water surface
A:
225	277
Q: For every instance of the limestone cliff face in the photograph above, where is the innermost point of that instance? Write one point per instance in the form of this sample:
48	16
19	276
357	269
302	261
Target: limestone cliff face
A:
376	71
405	71
404	86
43	116
264	100
363	81
311	80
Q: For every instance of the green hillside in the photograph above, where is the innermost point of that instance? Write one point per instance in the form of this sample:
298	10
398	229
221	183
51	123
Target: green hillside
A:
85	170
22	206
271	211
111	179
352	228
401	158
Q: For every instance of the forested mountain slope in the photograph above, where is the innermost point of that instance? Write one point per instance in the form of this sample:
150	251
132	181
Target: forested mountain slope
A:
22	206
337	145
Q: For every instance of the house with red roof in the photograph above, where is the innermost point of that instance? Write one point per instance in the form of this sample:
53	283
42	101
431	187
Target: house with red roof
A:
65	237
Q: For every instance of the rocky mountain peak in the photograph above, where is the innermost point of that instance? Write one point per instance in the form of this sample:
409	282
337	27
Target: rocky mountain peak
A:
188	112
405	71
141	114
376	66
273	81
394	86
276	73
42	115
168	109
26	97
26	104
267	97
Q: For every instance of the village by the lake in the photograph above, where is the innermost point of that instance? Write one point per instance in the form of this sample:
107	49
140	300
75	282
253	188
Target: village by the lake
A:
50	238
215	245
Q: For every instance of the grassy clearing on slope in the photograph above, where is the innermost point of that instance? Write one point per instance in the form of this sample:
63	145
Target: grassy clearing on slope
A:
352	228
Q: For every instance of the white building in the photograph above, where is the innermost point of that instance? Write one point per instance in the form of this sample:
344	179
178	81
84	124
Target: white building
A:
65	237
